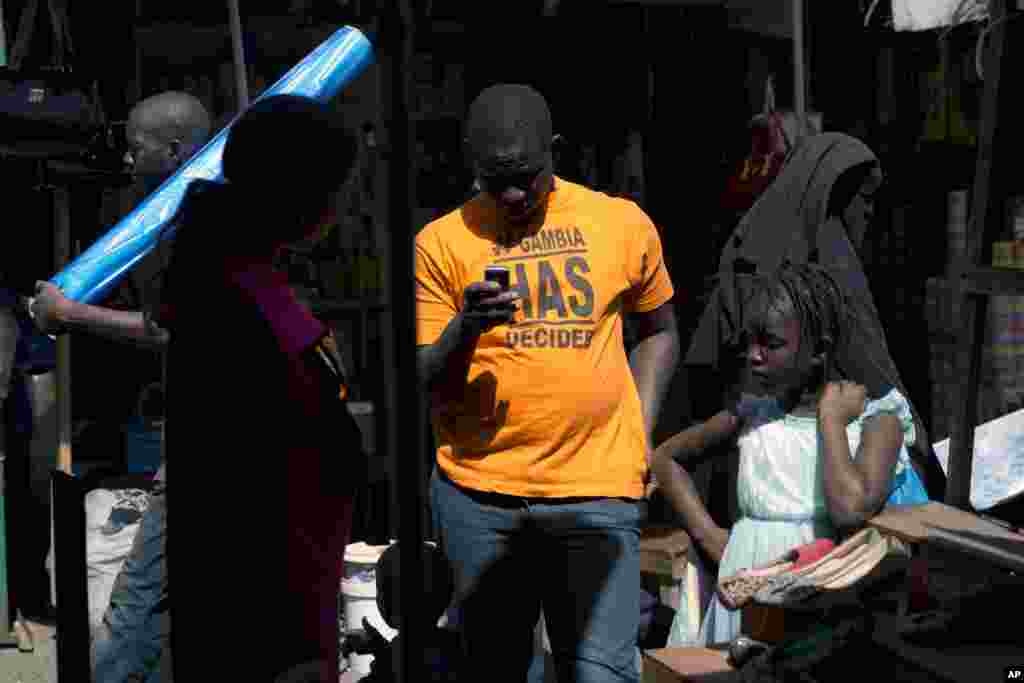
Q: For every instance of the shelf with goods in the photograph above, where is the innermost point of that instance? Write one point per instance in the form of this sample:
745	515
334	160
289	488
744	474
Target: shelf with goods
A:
1002	370
1002	356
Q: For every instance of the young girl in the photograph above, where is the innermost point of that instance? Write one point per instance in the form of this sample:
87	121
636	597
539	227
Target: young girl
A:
817	459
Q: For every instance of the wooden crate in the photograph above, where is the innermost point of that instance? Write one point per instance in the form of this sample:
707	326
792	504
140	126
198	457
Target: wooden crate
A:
687	664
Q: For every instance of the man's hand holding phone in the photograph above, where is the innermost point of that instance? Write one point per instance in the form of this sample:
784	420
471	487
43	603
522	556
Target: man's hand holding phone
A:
490	303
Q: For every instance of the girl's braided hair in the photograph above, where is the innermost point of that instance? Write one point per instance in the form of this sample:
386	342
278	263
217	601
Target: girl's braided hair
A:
808	292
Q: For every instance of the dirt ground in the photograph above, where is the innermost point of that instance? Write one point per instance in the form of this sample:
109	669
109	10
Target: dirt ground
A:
39	666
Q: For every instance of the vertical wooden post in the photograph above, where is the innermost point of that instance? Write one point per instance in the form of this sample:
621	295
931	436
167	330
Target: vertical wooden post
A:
3	38
62	255
799	77
238	49
974	309
406	442
136	93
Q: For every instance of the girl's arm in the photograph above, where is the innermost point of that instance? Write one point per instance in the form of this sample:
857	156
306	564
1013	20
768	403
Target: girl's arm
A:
677	485
856	489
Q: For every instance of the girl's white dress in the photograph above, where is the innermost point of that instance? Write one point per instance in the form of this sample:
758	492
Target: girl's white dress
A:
781	499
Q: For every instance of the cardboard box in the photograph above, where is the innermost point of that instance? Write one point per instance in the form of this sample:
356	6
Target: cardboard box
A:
687	664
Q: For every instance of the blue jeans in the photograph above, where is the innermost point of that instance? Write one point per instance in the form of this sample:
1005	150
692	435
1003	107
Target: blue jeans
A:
132	642
578	558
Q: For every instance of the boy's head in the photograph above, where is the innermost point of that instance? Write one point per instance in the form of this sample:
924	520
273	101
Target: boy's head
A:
795	319
438	585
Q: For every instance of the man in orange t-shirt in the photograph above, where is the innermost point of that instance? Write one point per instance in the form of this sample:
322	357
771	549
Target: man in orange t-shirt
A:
542	423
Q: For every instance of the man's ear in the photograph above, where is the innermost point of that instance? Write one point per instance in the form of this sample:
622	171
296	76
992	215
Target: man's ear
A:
175	150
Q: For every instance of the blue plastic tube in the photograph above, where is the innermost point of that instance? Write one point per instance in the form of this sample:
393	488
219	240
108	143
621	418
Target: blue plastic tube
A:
320	75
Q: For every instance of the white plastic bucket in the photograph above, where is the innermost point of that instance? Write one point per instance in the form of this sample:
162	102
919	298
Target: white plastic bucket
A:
359	591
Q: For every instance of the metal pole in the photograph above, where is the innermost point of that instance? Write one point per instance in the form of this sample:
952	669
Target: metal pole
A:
799	79
3	38
241	80
406	443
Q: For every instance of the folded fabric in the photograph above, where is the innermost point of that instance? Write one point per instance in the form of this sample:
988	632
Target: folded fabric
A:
735	591
808	570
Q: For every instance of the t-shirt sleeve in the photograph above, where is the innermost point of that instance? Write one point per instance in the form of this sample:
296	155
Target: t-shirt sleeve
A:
436	300
650	284
893	403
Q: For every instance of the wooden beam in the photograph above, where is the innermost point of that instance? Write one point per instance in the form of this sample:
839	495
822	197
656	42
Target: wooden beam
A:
398	23
974	311
238	50
994	281
62	256
799	72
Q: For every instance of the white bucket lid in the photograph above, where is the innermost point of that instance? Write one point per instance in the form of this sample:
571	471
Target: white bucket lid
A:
360	407
362	553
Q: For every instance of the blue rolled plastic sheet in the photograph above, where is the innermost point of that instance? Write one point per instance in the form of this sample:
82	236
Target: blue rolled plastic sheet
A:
320	75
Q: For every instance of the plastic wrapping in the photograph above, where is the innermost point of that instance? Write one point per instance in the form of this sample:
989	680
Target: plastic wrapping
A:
320	75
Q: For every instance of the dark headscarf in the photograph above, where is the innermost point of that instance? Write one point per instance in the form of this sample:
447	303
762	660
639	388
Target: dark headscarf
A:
793	220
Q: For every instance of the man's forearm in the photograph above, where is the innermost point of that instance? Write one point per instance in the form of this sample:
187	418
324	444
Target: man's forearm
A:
653	362
123	326
444	365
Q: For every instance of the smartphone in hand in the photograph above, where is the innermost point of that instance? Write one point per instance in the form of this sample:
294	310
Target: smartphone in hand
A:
499	274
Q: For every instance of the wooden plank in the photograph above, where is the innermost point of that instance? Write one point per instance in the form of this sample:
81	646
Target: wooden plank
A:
994	281
982	220
918	524
1006	553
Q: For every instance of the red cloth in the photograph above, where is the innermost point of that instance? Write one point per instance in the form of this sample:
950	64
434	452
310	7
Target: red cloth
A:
812	552
319	523
253	430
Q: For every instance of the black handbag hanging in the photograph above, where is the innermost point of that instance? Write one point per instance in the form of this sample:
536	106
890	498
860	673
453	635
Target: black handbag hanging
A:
47	109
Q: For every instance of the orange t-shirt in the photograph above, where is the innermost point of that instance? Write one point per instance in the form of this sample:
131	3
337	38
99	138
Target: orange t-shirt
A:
550	409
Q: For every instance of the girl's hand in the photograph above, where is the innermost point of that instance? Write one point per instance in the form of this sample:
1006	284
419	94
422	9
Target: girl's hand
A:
842	401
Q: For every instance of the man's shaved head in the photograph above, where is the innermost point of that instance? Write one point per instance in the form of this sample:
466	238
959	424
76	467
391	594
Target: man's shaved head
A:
507	114
172	116
164	131
508	139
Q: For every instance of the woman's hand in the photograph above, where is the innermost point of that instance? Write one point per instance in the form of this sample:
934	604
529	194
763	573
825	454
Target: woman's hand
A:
842	402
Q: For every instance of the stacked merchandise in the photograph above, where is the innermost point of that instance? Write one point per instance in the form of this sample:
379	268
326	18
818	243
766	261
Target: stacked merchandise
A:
1005	355
1002	371
1005	352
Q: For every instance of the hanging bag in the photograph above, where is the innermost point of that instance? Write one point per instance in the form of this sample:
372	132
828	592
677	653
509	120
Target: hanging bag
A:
47	108
769	147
